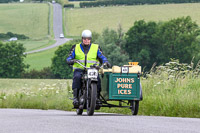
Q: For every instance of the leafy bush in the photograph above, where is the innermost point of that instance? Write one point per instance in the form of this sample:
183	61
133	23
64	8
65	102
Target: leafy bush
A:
7	1
10	34
131	2
45	73
69	6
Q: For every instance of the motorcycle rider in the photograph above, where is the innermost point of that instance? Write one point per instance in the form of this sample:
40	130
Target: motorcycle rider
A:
88	54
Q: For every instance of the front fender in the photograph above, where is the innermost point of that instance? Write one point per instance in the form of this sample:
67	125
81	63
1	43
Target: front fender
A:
92	81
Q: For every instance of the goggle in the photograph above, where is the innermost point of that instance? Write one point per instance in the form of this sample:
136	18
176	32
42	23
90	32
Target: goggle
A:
86	38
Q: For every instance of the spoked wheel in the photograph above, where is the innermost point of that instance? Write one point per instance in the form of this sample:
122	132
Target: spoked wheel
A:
79	111
134	107
91	98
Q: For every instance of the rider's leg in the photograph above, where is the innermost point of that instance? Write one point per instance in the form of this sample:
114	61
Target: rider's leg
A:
98	90
75	94
76	85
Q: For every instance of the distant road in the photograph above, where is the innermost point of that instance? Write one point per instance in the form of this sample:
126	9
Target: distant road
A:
55	121
57	20
57	29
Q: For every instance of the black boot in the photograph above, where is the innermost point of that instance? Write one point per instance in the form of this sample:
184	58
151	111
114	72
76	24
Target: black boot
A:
75	100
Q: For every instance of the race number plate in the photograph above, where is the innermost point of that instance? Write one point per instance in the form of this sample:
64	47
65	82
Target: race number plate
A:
92	73
125	69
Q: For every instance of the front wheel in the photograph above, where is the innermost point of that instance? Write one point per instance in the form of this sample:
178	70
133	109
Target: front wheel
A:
91	99
134	107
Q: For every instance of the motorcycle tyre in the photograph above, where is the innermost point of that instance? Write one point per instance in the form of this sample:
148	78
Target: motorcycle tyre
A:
91	102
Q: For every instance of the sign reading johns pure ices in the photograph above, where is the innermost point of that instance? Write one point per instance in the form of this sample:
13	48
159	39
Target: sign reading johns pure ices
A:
124	85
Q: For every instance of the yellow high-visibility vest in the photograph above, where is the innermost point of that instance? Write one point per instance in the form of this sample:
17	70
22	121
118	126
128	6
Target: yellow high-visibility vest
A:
91	56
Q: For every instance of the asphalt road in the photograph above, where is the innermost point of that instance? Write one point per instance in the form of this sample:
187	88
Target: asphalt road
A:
55	121
57	29
57	20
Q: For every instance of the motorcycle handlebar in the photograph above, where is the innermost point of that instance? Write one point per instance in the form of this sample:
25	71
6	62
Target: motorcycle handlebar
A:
81	64
95	65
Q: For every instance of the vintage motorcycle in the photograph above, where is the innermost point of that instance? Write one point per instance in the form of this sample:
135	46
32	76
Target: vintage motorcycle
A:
88	93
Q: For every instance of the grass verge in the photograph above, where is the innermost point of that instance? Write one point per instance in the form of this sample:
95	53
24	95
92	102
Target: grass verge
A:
35	94
161	97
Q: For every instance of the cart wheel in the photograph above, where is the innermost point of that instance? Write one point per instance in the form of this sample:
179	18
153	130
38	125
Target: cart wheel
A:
79	111
91	99
134	107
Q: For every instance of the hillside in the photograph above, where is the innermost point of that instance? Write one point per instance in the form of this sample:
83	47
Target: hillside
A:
28	19
99	18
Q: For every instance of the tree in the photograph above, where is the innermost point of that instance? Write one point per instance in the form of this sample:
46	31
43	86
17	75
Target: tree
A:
149	42
140	43
6	1
110	42
178	39
11	61
59	66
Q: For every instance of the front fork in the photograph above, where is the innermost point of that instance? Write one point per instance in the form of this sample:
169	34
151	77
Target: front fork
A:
85	92
89	82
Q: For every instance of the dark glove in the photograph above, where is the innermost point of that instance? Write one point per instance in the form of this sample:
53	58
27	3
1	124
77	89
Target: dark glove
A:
70	62
108	64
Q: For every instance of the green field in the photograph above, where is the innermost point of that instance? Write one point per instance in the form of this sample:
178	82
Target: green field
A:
40	60
28	19
99	18
36	44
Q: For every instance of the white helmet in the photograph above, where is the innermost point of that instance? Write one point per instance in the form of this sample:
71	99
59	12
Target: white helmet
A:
87	33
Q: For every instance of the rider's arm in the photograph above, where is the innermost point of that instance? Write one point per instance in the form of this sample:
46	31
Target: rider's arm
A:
100	56
71	54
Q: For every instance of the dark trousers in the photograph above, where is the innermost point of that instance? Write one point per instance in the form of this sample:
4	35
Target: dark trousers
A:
77	80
